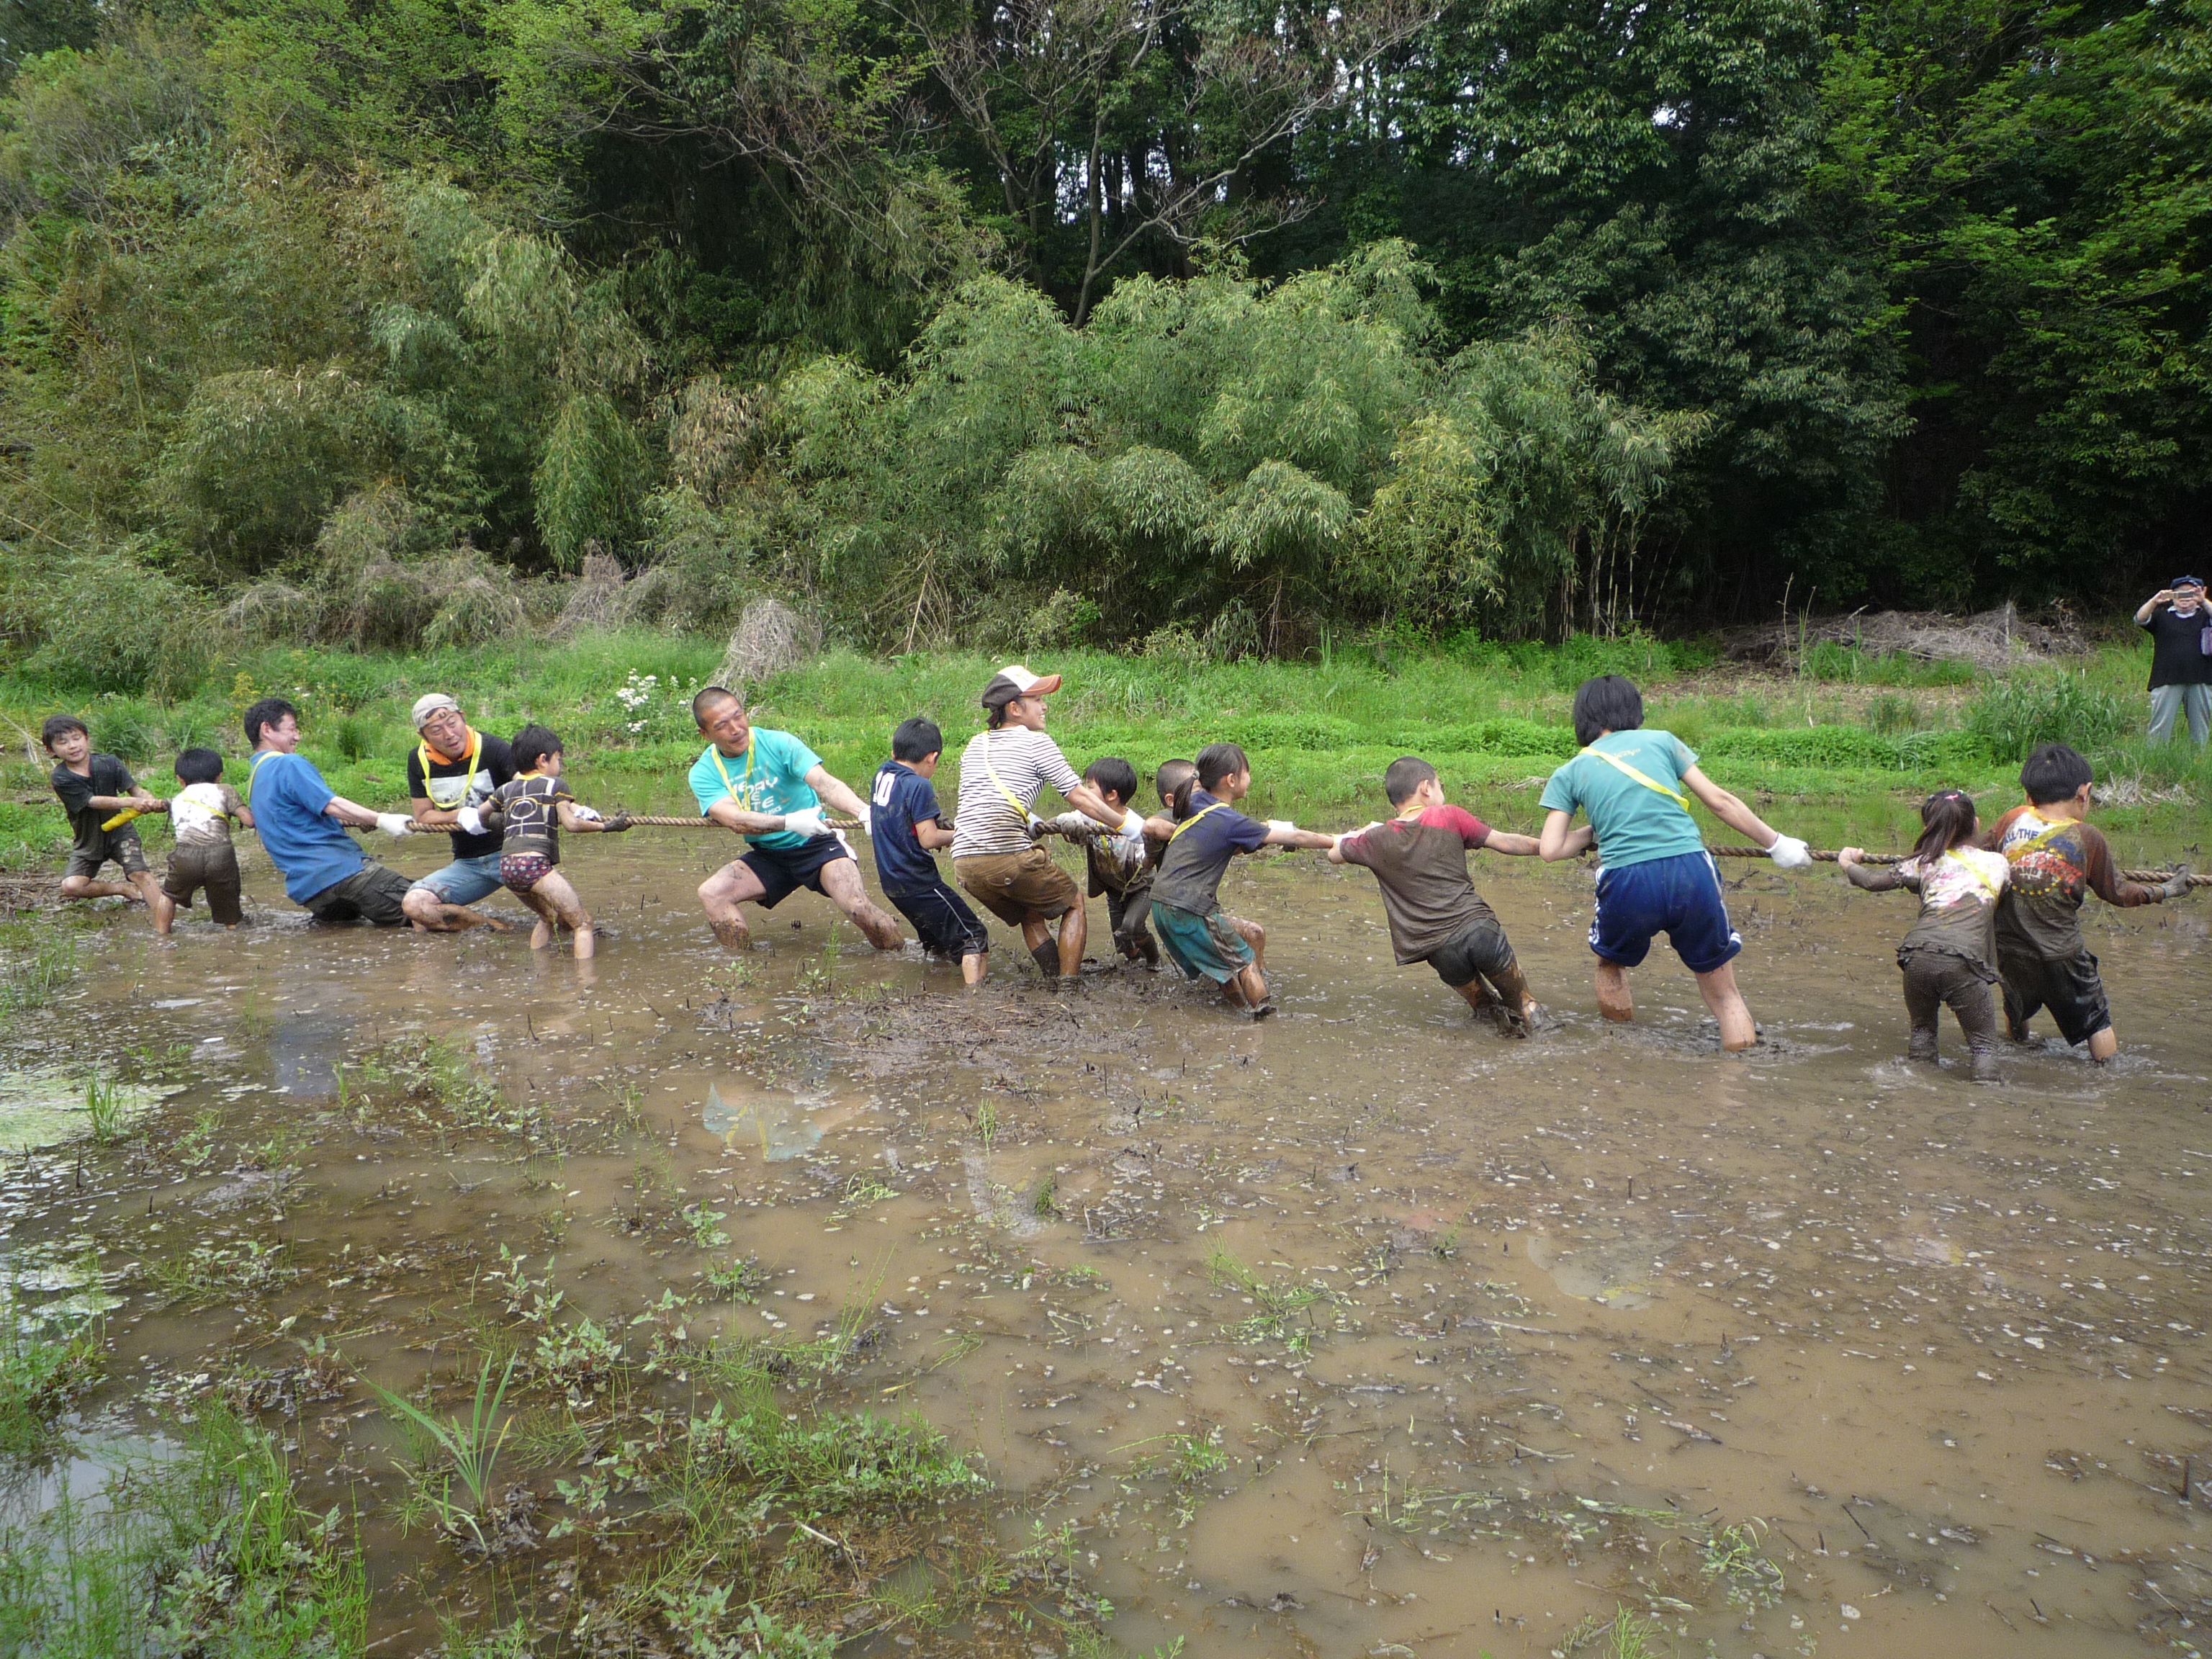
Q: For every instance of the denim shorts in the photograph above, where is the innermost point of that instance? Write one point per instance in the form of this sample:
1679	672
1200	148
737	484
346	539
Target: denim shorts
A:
464	881
1679	897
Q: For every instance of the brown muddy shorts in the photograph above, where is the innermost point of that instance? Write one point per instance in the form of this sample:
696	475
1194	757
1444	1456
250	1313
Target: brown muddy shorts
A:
194	865
1016	886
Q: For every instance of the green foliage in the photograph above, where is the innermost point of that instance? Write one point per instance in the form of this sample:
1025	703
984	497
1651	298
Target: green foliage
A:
201	1548
48	1358
458	1450
812	1467
2011	716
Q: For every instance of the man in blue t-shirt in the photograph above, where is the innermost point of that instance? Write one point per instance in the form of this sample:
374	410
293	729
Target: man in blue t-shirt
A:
769	787
908	826
300	821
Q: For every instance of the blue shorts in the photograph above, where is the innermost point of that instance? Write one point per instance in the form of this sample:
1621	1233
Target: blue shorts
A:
782	871
464	881
1679	896
1204	947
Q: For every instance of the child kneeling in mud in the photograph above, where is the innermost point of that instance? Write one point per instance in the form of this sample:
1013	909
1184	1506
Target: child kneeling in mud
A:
1949	956
533	808
1419	862
1204	832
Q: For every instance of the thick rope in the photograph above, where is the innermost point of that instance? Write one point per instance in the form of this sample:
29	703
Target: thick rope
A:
2142	878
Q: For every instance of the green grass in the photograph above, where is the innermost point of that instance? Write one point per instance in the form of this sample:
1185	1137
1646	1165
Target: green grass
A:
203	1549
43	1370
1848	746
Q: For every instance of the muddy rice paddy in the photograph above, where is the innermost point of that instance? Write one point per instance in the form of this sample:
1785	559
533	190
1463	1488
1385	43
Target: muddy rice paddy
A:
1358	1330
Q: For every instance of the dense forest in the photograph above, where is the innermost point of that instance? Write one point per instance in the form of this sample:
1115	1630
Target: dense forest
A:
1146	323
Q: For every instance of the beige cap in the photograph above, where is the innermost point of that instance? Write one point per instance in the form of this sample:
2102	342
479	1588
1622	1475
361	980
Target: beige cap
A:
432	703
1015	681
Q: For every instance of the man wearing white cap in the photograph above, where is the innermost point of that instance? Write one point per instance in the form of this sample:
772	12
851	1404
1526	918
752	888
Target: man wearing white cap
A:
994	855
451	774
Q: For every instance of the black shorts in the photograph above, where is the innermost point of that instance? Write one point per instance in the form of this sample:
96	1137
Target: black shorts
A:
1480	948
943	921
375	892
211	865
2069	987
119	845
782	871
1128	912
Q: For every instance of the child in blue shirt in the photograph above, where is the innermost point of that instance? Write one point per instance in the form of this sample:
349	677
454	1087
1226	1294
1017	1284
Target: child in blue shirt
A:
1203	833
1634	788
906	826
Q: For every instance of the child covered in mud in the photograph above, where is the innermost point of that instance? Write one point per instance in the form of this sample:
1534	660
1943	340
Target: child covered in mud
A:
1634	786
101	797
533	808
204	858
906	827
1202	833
1120	862
1419	862
1949	956
2057	858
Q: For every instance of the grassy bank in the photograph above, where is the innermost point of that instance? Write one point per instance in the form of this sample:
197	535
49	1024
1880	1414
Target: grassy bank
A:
1844	746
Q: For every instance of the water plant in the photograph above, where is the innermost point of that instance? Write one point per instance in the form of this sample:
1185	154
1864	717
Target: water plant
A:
213	1272
1285	1311
457	1450
106	1111
43	1368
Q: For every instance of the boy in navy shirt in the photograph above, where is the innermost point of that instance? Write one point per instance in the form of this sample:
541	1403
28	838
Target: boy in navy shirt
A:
906	826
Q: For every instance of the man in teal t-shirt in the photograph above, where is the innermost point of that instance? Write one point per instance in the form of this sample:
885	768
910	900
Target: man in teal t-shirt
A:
1635	788
769	788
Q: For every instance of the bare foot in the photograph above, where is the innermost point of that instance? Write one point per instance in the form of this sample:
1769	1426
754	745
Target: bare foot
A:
497	926
732	935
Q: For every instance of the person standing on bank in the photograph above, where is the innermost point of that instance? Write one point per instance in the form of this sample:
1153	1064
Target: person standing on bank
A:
300	821
2179	624
450	777
769	787
995	856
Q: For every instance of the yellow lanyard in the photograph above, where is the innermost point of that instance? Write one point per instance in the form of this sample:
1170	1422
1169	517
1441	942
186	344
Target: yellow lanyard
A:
467	780
751	749
1193	818
1623	767
1987	885
1021	813
253	771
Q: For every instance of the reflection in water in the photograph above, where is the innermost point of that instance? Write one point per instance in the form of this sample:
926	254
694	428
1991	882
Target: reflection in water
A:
774	1122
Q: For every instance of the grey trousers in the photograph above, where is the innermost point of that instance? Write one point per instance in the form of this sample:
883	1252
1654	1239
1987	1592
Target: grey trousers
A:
1931	982
2168	701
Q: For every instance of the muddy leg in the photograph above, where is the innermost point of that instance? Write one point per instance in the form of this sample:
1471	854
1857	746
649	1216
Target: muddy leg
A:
721	895
1256	937
1248	990
163	906
2104	1044
1074	933
1614	1000
842	881
971	968
432	915
84	887
555	889
542	934
1037	933
1517	1003
1977	1012
1718	988
1923	1003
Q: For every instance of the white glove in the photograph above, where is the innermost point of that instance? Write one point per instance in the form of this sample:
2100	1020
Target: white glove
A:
1133	825
806	822
469	819
868	819
1039	828
587	815
395	823
1789	854
1281	824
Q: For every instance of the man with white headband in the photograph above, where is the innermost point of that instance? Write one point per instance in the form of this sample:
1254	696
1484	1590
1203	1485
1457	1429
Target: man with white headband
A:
451	774
994	852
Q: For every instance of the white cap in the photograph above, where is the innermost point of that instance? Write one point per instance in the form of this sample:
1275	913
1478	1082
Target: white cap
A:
432	703
1014	681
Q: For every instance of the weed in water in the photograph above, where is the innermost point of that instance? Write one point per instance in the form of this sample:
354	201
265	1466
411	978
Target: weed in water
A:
862	1190
40	958
984	1115
1285	1313
201	1548
195	1148
1731	1556
468	1452
507	1642
217	1273
702	1617
579	1359
705	1226
1044	1202
105	1110
42	1370
740	1281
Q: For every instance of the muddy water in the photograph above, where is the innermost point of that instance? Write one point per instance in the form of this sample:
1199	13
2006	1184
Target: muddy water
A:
1488	1336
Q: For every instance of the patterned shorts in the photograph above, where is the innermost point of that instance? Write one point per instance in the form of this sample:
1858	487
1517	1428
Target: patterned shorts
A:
522	872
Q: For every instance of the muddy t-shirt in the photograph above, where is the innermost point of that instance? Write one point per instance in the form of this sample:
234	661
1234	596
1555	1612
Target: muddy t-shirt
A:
2177	648
531	807
1959	895
202	813
2056	864
454	783
1421	865
1192	867
106	776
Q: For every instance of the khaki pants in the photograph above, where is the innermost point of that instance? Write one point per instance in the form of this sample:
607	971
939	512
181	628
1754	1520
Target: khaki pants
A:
2167	702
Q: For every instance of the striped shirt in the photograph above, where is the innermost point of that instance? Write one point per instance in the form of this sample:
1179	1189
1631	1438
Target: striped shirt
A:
984	820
